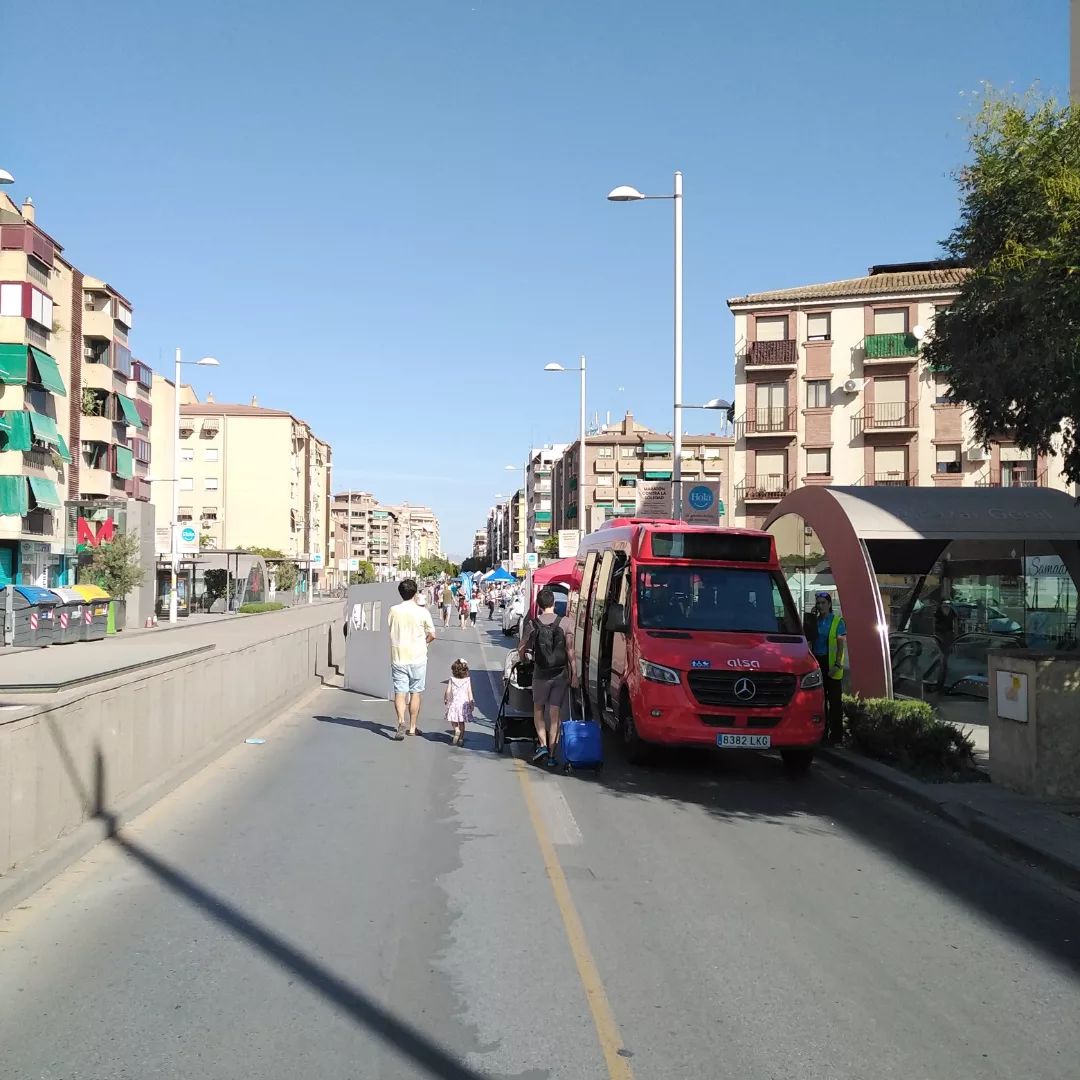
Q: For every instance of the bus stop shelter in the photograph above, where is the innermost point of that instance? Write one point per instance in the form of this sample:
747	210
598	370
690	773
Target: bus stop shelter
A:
929	580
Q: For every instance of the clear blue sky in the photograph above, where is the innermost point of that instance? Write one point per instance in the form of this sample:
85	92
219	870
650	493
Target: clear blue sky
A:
387	217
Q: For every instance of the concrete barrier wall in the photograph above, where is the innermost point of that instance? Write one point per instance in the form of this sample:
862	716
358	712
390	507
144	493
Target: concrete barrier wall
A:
71	765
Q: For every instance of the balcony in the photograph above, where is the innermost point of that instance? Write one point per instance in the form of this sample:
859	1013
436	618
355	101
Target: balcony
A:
769	487
885	347
887	416
889	479
772	354
101	377
604	465
95	482
99	322
1022	476
97	429
760	422
38	523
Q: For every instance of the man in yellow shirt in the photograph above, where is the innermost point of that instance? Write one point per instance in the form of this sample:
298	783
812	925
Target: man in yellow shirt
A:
411	631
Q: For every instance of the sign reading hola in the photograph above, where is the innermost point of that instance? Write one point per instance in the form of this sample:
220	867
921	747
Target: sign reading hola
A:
86	537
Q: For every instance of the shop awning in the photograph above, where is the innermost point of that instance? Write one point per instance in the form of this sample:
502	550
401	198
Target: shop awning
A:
125	463
658	448
15	427
13	364
658	476
45	493
48	372
62	448
131	414
14	496
44	428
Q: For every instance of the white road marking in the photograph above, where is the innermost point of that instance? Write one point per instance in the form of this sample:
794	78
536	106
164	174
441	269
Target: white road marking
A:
558	817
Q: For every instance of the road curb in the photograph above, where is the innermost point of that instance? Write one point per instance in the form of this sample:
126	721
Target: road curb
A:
997	834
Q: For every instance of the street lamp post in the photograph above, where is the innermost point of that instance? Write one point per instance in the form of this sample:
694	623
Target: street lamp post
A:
625	193
581	435
174	554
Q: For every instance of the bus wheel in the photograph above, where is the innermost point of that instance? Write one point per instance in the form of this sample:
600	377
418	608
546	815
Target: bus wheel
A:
797	762
634	749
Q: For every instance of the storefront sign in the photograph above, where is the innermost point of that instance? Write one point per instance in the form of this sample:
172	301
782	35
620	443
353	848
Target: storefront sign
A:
654	499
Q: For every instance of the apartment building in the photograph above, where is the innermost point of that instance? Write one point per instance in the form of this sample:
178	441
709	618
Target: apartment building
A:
255	477
383	534
830	389
163	454
620	455
538	494
505	531
480	544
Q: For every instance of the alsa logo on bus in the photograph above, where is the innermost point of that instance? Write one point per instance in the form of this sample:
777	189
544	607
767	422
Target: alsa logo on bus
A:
742	664
85	537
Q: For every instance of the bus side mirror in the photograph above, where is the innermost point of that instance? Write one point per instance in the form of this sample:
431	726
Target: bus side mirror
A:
616	619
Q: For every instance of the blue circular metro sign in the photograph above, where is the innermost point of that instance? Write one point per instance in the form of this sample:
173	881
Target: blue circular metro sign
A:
700	498
188	535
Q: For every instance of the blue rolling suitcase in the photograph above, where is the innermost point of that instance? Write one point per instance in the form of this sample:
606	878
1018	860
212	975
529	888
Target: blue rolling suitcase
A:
581	741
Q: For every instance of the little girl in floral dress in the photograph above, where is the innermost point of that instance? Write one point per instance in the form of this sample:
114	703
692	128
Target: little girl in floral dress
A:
458	700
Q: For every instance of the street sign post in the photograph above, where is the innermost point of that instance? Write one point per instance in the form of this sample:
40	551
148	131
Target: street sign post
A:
187	540
532	560
654	499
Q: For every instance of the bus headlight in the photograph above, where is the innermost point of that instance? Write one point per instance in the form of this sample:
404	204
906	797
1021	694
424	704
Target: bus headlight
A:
657	673
811	680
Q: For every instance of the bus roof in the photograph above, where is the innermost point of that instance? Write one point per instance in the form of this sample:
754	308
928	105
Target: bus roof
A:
670	524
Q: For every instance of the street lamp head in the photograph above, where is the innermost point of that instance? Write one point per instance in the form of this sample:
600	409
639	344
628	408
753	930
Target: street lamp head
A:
208	361
554	367
6	177
624	193
717	403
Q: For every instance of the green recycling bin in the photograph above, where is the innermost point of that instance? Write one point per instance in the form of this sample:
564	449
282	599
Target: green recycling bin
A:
96	613
68	617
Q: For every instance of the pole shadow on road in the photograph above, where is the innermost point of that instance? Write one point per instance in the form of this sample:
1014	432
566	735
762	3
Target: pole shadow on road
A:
409	1042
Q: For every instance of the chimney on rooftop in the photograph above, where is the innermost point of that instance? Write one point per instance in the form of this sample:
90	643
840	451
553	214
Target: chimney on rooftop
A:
210	398
628	423
254	401
28	210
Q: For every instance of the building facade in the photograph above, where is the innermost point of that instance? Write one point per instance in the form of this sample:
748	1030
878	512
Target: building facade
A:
255	477
830	389
383	535
538	494
621	455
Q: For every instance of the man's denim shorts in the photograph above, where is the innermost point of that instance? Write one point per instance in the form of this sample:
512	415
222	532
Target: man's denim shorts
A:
409	678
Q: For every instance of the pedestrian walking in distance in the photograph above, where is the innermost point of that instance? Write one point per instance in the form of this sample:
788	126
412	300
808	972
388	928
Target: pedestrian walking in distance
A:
491	604
447	603
830	647
411	631
463	607
474	608
549	638
459	701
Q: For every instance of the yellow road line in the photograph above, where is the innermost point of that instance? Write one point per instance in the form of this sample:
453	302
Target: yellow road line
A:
603	1018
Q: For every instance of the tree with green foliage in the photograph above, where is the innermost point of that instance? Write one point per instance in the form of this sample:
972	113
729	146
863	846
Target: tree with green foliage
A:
216	583
286	575
265	552
1009	345
405	563
364	575
115	566
549	549
434	566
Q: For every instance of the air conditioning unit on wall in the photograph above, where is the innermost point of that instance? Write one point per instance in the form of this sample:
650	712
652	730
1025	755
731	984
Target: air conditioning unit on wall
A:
978	453
853	386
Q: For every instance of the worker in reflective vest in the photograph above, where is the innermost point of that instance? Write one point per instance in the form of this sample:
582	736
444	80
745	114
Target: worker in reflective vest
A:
830	649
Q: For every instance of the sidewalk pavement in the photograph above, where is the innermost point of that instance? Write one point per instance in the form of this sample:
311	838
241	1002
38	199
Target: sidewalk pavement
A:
28	672
1047	835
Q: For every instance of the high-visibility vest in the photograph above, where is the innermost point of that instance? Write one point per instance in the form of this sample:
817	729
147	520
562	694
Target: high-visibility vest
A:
836	669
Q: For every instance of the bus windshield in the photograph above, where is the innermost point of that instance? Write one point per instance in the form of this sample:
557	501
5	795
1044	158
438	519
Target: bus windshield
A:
714	598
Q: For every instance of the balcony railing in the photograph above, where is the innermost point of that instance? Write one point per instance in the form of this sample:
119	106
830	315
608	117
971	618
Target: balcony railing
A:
888	479
885	416
772	353
769	487
38	523
890	346
766	422
1026	476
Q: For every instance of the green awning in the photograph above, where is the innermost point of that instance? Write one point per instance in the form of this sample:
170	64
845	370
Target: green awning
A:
543	515
45	493
48	372
44	428
131	414
13	364
62	448
658	476
125	463
14	499
15	429
658	448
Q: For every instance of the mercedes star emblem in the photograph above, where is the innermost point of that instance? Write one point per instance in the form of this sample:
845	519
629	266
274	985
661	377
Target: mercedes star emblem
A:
745	690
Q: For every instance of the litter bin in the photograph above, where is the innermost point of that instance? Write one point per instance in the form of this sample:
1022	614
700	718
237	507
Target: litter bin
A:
68	617
33	614
96	612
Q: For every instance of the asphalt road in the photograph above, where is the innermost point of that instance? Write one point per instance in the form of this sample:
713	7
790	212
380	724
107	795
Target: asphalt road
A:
333	904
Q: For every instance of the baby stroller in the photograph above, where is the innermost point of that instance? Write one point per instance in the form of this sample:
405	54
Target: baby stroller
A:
514	722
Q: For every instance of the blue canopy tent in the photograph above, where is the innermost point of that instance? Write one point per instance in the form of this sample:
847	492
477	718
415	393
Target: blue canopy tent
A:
499	575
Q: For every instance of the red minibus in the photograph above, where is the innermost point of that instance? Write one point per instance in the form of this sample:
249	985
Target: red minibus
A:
687	635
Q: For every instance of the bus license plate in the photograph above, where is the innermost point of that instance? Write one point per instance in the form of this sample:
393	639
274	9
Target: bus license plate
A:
744	742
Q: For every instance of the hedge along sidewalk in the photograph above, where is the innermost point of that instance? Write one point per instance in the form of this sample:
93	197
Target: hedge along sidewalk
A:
1037	832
